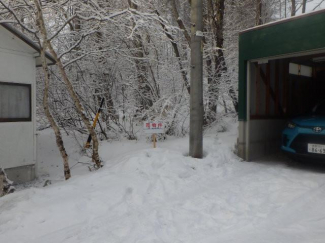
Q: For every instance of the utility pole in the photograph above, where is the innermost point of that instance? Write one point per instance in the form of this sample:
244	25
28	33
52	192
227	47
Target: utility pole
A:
196	104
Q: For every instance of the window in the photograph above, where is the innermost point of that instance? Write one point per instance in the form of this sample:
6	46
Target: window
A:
15	102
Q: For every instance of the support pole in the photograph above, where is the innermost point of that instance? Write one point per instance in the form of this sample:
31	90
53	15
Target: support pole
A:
95	122
196	104
248	111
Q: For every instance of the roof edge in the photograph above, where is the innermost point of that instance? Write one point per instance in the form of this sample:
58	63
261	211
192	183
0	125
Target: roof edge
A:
28	41
282	21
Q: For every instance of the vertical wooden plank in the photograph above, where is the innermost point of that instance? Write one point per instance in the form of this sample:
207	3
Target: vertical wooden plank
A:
284	87
288	89
291	96
268	89
257	95
277	88
312	93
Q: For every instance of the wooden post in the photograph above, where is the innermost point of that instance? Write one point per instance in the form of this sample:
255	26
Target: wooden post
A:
268	90
258	75
284	88
277	88
154	140
272	92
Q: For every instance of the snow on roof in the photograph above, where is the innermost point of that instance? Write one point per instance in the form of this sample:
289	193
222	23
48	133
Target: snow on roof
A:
283	21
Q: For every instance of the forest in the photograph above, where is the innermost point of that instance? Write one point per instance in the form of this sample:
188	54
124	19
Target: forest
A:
134	55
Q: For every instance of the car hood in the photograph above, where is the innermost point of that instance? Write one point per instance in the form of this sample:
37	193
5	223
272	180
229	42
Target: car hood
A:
310	121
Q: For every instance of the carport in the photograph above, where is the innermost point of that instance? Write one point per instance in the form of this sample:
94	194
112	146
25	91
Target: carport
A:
281	75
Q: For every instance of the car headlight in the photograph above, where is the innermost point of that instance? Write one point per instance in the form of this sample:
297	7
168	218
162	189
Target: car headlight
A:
291	125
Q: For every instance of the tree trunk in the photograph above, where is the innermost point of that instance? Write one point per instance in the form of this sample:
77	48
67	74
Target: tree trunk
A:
210	112
178	56
145	99
293	7
258	18
79	108
180	22
219	59
304	3
58	136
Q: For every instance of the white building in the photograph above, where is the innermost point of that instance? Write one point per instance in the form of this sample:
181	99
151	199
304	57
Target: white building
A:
19	57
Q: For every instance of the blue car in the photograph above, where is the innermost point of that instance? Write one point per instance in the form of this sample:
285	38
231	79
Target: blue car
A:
305	136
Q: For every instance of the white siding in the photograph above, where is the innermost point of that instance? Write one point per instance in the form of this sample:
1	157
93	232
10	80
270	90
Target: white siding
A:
17	139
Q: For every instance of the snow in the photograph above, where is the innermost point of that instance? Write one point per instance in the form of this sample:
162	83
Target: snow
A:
161	195
290	18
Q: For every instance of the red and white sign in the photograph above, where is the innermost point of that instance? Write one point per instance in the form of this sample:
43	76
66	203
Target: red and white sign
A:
153	127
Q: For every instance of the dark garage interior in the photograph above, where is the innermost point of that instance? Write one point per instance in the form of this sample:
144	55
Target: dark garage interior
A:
277	93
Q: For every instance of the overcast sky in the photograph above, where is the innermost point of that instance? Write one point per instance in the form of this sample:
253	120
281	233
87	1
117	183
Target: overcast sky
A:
313	4
320	4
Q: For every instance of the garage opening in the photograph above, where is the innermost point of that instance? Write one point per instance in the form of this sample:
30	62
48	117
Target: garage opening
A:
279	90
281	76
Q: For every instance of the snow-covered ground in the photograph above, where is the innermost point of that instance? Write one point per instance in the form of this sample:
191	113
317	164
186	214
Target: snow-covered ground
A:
161	195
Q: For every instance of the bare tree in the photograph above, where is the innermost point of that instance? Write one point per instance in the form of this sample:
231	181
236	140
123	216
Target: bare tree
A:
180	21
56	129
304	3
293	7
139	61
79	108
177	54
258	12
318	5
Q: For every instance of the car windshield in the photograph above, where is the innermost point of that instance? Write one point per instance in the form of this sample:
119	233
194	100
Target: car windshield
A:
320	109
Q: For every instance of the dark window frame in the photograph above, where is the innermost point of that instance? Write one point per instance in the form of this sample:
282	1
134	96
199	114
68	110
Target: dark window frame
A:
29	118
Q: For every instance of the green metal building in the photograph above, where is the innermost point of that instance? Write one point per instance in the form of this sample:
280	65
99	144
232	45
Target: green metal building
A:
281	75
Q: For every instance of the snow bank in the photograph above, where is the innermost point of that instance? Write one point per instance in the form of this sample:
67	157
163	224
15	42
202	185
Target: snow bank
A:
161	195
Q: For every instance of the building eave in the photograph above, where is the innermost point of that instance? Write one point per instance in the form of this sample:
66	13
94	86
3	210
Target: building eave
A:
28	41
282	21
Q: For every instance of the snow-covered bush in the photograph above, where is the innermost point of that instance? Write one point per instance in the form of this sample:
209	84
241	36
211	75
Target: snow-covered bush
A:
5	184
